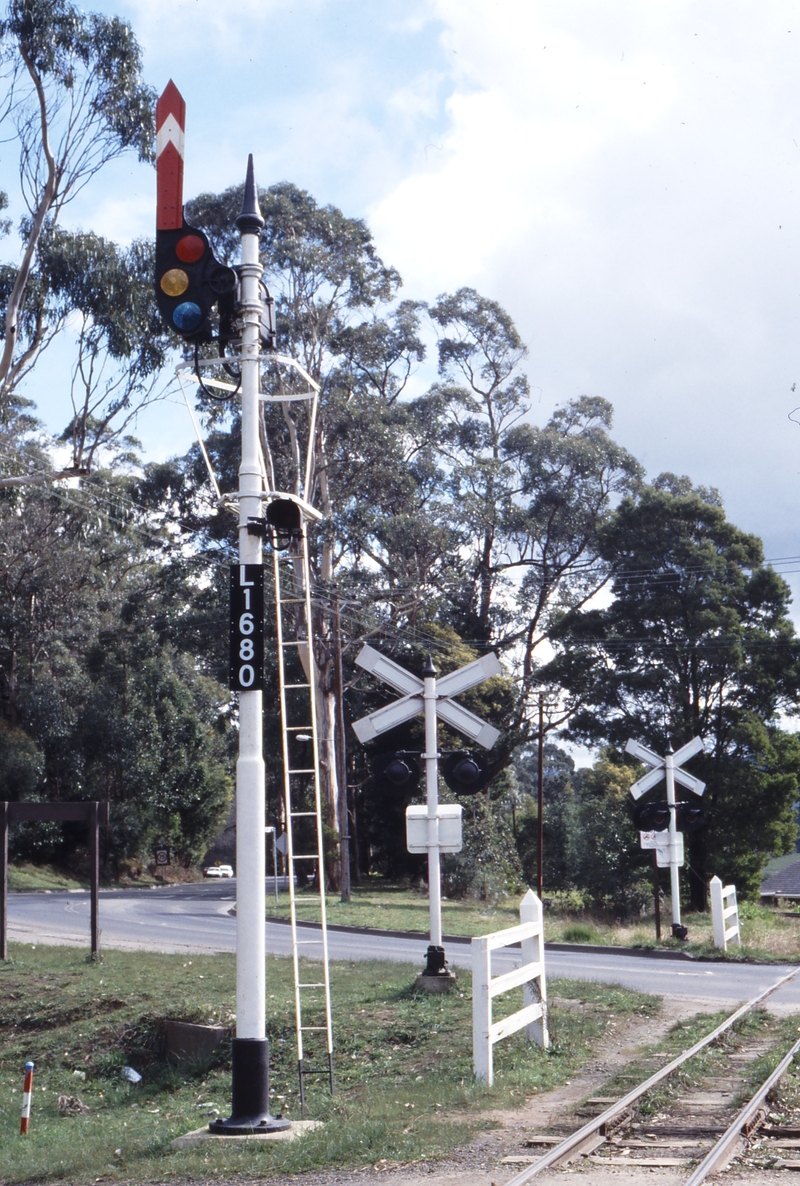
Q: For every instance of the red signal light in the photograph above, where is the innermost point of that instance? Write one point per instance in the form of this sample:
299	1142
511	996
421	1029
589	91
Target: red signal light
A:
190	249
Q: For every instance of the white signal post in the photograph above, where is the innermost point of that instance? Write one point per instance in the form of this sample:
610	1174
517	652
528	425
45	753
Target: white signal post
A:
430	697
669	767
250	1047
431	757
250	771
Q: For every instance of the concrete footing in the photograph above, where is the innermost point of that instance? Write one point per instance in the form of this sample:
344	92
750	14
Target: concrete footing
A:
286	1134
441	982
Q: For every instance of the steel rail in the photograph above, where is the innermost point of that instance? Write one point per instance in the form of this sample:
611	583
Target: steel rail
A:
584	1135
725	1148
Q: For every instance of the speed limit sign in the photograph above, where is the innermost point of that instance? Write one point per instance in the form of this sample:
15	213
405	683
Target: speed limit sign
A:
247	628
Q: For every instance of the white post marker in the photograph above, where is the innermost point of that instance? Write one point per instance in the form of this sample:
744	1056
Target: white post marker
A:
533	1017
431	697
668	767
724	913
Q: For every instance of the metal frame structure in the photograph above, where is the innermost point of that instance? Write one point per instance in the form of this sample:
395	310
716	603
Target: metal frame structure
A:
93	812
294	632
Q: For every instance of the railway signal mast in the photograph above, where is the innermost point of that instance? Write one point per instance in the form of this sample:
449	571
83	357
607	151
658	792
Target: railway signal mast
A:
189	281
669	767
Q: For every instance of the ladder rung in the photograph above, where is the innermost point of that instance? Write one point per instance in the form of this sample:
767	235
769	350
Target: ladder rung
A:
304	856
308	942
294	814
302	643
311	986
314	1029
297	685
310	770
293	600
298	728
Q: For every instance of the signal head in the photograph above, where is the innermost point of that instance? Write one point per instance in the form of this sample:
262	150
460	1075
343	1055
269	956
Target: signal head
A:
465	772
189	282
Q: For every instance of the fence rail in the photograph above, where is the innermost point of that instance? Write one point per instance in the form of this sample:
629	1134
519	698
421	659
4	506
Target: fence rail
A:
724	908
531	975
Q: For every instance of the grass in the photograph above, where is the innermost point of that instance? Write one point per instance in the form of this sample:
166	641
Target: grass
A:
41	877
714	1059
767	934
403	1065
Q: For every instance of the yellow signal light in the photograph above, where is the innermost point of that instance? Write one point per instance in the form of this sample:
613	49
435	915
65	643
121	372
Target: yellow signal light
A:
174	282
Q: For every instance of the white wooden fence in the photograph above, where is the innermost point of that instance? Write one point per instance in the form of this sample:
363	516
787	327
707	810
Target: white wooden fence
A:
724	913
530	935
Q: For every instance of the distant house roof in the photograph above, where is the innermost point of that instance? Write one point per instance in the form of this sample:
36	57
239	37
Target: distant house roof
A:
785	884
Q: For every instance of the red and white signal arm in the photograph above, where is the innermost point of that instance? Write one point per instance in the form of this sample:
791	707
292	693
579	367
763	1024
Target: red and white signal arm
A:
170	139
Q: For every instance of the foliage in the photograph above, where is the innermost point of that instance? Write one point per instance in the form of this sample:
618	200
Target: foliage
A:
487	868
93	703
403	1065
74	95
697	641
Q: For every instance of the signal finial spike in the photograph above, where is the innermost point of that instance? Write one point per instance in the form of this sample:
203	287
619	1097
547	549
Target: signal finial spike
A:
251	219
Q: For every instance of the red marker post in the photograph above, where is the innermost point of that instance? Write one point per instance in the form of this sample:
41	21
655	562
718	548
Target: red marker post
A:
27	1090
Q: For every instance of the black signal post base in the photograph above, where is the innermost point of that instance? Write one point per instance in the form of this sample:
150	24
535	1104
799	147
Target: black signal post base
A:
436	976
680	932
250	1112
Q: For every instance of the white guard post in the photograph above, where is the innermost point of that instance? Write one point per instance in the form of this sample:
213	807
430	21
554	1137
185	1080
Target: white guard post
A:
724	913
669	767
530	935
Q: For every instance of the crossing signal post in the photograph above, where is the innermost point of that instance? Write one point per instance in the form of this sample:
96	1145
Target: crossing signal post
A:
671	852
189	282
431	698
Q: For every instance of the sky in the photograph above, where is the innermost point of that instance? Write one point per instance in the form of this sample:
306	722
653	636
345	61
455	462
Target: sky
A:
622	177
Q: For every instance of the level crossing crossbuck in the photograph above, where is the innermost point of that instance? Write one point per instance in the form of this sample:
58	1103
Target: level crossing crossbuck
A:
432	698
669	768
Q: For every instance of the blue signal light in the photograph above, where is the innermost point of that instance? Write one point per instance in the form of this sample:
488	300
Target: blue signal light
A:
187	316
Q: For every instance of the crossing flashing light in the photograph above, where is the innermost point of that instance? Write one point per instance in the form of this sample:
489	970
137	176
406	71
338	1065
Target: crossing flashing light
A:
654	817
465	772
397	771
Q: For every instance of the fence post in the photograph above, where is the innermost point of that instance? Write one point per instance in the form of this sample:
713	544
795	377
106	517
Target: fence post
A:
481	1011
530	910
717	915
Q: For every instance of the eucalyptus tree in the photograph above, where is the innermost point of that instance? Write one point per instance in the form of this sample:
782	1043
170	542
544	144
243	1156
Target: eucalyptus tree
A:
72	99
526	502
697	640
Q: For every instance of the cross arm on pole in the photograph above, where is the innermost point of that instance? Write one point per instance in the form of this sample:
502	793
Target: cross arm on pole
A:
647	782
637	750
396	713
466	723
695	746
390	672
469	676
689	781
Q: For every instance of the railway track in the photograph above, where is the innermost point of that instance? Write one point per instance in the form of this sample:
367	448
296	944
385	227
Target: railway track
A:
690	1126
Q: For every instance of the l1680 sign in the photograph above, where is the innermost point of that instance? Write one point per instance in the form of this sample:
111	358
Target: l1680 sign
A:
247	628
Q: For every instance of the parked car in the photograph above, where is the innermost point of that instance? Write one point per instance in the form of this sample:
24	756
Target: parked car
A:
218	871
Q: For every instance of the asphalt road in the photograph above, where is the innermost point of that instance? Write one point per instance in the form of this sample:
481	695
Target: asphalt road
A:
196	918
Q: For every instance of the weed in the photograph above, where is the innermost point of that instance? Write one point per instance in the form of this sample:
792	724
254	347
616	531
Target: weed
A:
403	1060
